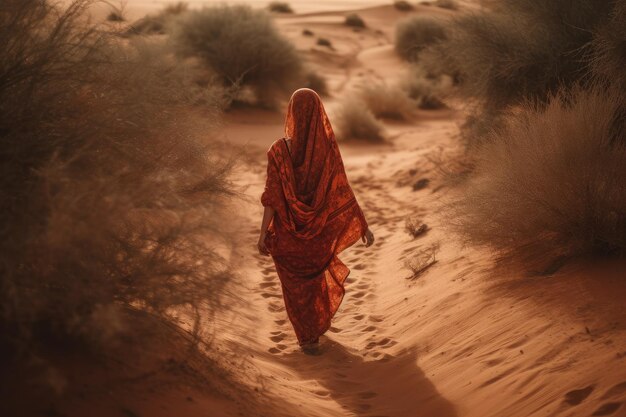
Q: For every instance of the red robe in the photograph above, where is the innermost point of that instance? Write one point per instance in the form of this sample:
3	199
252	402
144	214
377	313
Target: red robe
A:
316	216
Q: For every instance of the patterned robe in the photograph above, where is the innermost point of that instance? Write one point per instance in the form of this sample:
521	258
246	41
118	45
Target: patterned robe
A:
316	216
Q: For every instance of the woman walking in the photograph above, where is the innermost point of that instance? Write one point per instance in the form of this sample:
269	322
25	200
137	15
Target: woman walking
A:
310	216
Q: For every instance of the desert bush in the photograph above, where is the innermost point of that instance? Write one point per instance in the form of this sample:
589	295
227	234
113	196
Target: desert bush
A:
316	82
109	199
608	46
324	42
403	5
423	89
447	4
354	20
159	23
307	32
242	46
551	184
520	49
389	102
116	16
415	227
354	121
416	33
279	7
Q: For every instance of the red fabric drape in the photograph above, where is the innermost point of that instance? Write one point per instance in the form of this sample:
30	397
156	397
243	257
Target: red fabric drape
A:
317	216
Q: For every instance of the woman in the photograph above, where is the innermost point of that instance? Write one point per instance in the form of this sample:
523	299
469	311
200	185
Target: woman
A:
311	215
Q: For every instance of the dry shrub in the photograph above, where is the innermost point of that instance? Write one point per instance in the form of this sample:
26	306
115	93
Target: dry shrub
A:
389	102
316	82
354	20
416	33
422	261
520	49
109	200
354	121
403	5
425	90
324	42
609	46
243	47
447	4
551	184
159	23
415	226
279	7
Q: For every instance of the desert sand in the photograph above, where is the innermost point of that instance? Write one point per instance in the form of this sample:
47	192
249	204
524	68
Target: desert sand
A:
463	339
466	338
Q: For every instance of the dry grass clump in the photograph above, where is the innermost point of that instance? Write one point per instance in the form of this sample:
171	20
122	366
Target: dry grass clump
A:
521	49
609	46
354	121
389	102
242	46
447	4
159	23
551	184
316	82
354	20
324	42
415	227
108	199
422	261
425	90
416	33
403	5
279	7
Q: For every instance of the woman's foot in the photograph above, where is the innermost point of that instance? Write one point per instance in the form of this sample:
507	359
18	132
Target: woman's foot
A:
311	348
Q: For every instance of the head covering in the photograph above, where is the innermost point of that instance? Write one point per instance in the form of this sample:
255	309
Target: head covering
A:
313	146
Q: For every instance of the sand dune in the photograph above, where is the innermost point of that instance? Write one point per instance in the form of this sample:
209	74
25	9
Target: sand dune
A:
464	339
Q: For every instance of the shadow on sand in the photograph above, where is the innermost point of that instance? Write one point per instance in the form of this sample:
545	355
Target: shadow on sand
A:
391	387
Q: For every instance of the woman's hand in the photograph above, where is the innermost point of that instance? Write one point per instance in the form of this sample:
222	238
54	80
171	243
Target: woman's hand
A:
261	246
368	238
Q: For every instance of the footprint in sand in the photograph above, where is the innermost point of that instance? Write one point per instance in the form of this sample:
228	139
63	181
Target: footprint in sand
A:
270	295
280	322
576	396
616	390
607	409
264	285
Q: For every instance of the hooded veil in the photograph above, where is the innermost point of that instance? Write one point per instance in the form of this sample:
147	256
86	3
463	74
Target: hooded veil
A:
316	216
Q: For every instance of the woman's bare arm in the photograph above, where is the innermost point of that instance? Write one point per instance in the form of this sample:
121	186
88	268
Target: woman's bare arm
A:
268	214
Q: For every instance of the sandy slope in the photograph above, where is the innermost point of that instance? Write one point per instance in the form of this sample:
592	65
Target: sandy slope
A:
463	339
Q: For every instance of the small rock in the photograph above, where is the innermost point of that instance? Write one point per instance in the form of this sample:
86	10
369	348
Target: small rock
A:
421	184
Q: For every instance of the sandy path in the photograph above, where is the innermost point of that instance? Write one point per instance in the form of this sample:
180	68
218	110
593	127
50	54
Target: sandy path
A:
461	340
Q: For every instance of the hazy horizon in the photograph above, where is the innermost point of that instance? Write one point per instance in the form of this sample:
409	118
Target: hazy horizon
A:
299	6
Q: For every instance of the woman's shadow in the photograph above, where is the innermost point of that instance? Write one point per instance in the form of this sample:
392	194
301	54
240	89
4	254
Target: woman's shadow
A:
392	387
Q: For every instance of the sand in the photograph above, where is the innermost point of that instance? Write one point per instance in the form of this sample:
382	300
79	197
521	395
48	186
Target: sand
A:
463	339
